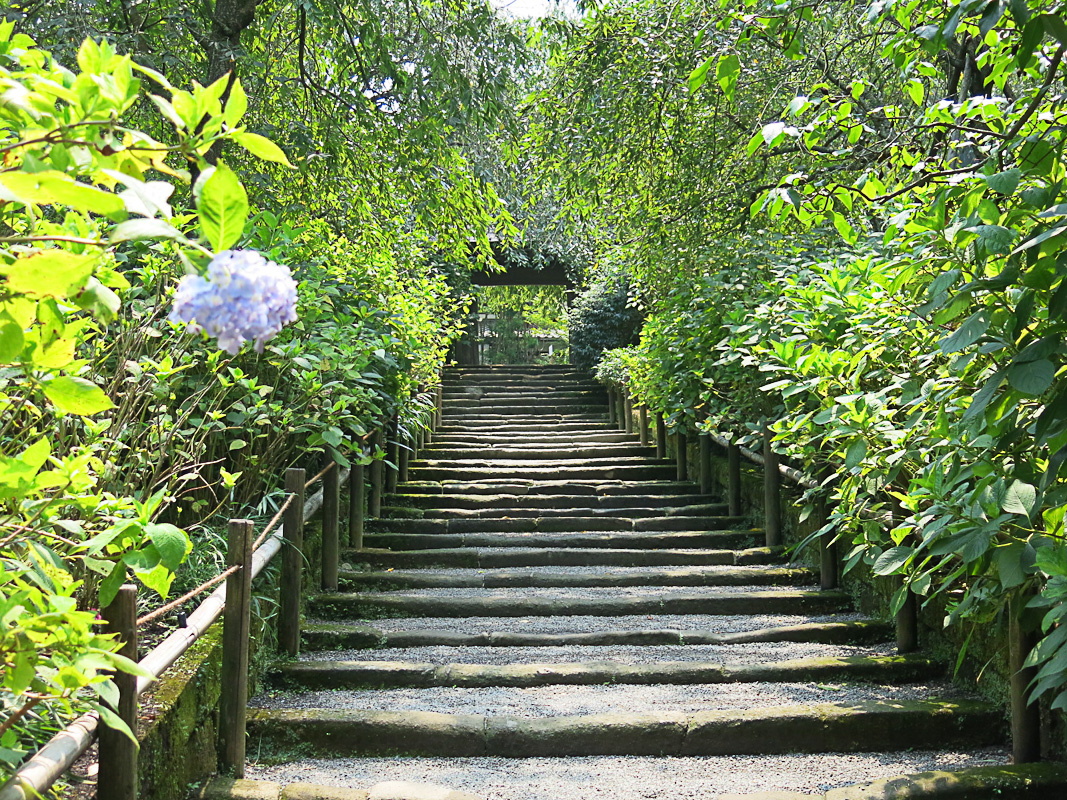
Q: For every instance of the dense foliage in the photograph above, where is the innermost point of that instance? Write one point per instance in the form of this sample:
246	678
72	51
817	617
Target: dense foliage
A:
845	219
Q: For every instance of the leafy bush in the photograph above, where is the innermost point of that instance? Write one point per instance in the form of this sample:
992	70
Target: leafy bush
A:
600	319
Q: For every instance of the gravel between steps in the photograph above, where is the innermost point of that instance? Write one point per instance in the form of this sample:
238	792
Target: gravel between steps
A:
555	701
627	777
586	592
583	624
749	653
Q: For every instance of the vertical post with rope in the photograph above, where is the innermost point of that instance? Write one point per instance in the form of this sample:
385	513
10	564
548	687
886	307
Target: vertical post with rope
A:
628	411
828	569
331	520
642	425
620	409
377	477
733	479
236	634
292	564
705	463
681	453
1025	717
772	492
611	405
357	498
406	446
118	753
661	436
392	451
439	404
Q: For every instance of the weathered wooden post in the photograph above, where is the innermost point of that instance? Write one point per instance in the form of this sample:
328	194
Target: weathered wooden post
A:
772	492
661	436
620	409
733	479
705	463
404	456
392	451
1025	717
357	498
377	478
439	408
681	454
331	520
642	424
828	571
236	635
117	778
628	411
907	624
611	405
292	564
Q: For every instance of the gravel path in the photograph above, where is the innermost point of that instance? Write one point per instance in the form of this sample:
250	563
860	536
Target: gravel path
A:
627	777
751	653
581	624
553	701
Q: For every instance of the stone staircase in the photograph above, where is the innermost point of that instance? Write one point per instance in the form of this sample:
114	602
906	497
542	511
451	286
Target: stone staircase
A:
545	612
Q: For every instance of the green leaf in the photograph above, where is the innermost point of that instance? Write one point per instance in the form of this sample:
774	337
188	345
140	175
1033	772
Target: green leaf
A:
892	560
236	104
77	396
50	273
114	721
109	587
1004	182
262	147
223	206
855	453
12	339
700	74
133	229
1009	564
726	73
1021	498
171	542
1032	377
973	329
51	187
98	300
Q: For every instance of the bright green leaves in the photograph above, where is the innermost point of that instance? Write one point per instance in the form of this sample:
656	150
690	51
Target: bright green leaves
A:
223	207
1032	378
261	147
699	75
77	396
49	273
727	71
1020	498
973	329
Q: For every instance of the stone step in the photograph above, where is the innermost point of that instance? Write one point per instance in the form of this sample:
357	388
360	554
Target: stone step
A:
597	632
507	428
555	524
574	577
547	414
521	603
716	540
541	438
499	557
534	397
535	488
503	474
619	453
503	510
426	504
356	674
826	727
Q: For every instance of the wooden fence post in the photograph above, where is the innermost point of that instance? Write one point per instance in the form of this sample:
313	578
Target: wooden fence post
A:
733	479
828	569
642	424
772	492
611	405
392	451
681	454
377	478
236	634
439	408
628	411
705	463
292	564
357	498
661	437
404	457
907	624
1025	717
620	409
331	522
117	778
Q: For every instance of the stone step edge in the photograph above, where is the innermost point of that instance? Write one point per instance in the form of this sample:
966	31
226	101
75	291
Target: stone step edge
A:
810	728
398	579
1005	782
220	788
319	637
405	674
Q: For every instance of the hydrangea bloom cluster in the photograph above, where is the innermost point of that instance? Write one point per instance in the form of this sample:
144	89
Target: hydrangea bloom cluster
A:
244	297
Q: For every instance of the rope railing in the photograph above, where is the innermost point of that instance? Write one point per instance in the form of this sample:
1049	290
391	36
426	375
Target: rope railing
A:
320	475
273	522
185	598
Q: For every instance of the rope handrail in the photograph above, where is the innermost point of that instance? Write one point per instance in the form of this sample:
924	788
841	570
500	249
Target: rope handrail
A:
159	612
274	521
323	471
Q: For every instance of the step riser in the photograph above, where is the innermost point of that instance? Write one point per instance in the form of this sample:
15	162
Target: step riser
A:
389	581
798	729
559	524
624	473
519	512
321	675
547	453
535	488
603	504
388	607
636	541
320	638
490	559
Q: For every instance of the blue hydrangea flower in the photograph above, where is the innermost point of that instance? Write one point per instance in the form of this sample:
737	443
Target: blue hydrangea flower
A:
244	297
